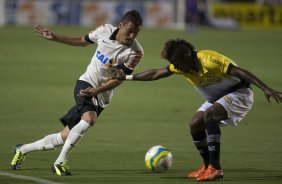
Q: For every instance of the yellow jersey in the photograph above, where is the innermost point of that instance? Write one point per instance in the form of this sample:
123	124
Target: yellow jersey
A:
212	80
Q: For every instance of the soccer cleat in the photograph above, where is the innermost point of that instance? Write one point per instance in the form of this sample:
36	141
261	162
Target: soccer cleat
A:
18	158
211	174
61	169
196	174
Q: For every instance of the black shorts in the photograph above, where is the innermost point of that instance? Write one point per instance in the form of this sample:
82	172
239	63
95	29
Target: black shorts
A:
82	105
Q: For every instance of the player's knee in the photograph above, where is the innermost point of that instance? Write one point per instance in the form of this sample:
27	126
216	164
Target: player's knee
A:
90	120
64	136
65	133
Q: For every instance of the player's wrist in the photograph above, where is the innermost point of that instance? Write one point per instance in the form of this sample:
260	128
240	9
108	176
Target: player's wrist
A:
129	77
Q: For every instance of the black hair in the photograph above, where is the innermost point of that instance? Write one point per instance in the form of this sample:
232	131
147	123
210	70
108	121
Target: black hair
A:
176	49
132	16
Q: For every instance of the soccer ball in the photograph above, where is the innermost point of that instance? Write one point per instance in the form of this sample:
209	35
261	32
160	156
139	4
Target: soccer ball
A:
158	159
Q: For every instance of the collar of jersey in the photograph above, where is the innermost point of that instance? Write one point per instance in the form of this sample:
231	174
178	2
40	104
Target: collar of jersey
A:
114	34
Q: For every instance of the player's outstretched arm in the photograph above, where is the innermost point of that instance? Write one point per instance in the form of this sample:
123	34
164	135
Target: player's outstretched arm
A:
248	76
49	35
91	92
149	75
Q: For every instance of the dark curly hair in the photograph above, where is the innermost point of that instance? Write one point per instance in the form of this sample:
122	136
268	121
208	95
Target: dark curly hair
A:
176	48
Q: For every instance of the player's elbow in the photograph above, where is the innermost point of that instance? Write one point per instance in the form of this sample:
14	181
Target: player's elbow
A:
83	42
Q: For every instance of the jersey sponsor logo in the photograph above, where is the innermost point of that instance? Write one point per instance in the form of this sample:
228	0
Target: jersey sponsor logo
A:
206	79
111	63
216	61
105	60
211	78
101	57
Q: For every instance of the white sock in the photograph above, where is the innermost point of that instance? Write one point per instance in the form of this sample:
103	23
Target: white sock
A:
48	142
74	135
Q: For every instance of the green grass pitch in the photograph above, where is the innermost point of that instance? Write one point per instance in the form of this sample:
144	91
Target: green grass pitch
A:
36	83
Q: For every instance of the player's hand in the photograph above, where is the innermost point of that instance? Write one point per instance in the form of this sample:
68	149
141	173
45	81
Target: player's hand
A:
117	74
88	92
44	32
274	94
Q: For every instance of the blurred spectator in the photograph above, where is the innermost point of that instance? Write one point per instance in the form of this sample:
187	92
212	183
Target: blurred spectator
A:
202	12
242	1
269	2
191	15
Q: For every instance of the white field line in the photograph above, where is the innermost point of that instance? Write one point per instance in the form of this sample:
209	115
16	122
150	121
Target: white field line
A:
37	180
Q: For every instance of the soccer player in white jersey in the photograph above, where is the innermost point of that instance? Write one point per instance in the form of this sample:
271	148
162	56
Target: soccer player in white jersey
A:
224	86
117	46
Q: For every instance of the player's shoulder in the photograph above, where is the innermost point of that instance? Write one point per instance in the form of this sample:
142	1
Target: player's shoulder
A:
110	27
213	59
105	26
203	53
211	55
105	29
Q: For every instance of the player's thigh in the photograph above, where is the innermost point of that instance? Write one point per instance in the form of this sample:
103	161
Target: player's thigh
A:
216	112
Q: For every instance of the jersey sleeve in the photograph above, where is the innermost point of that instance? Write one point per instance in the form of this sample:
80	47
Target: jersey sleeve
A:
173	70
130	58
93	36
135	57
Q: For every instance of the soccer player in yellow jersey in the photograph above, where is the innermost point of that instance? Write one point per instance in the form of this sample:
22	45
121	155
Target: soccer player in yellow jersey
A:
225	87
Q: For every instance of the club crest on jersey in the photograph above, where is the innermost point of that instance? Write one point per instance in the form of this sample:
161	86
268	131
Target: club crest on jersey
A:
228	99
111	63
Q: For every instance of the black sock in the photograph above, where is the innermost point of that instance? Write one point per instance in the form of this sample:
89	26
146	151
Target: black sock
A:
214	135
200	141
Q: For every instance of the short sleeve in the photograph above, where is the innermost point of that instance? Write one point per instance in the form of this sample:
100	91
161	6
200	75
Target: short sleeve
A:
135	56
172	69
92	37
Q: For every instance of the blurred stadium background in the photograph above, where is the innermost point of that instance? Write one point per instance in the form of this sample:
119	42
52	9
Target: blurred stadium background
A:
37	78
156	13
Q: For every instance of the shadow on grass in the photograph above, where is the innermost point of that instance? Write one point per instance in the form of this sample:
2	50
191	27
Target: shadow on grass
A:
253	174
238	174
246	174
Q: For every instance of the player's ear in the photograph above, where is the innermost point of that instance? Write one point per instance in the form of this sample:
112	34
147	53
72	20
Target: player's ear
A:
188	53
121	25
